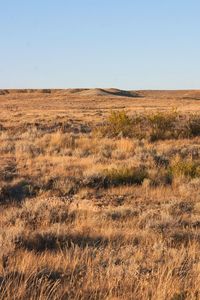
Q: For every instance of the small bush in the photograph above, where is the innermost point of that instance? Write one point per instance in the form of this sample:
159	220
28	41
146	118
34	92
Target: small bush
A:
121	213
62	186
18	191
194	126
189	169
118	124
162	125
125	175
182	207
161	177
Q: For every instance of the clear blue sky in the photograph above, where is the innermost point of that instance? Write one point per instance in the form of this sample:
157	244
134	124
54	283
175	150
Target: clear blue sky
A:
129	44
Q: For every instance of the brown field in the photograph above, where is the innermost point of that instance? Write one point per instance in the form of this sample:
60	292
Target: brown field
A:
99	194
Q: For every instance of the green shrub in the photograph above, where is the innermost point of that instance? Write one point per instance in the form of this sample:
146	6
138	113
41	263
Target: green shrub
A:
189	169
162	125
155	126
194	126
118	124
125	175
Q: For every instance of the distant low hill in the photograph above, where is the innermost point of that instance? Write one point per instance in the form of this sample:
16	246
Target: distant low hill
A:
111	92
80	92
105	92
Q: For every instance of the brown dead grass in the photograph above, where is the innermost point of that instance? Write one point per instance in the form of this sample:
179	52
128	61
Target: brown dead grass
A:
90	217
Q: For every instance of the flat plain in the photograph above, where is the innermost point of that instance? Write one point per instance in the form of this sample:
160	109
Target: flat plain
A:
99	194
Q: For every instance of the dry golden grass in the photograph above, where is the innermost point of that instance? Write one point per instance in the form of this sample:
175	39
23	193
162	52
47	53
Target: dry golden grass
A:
86	215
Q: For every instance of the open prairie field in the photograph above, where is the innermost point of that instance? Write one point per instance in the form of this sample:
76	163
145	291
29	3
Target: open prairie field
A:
99	194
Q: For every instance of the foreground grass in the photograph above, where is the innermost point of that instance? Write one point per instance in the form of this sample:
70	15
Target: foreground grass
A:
125	243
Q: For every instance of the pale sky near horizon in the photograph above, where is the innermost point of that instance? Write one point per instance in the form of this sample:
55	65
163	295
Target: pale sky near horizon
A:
128	44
